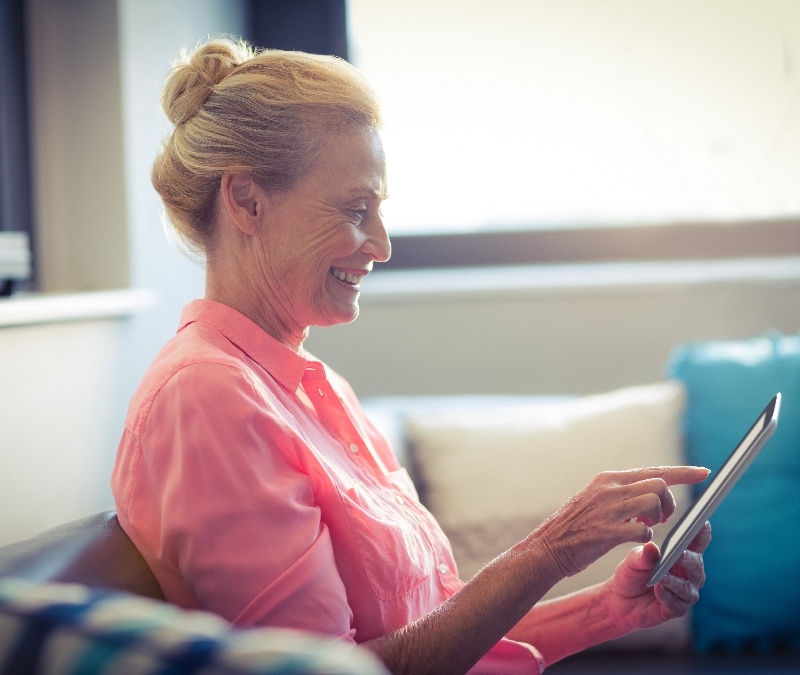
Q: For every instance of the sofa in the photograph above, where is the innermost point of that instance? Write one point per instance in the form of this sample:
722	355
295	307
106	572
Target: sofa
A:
491	467
79	598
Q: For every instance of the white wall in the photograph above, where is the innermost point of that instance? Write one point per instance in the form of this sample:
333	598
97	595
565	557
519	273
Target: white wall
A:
99	68
56	408
559	330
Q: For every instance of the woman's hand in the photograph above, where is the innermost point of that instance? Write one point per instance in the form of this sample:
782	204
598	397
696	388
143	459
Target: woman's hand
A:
615	508
572	623
634	605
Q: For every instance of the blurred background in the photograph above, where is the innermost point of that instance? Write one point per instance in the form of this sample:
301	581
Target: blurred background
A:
576	188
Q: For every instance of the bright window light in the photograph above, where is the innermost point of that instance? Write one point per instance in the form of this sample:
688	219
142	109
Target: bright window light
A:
550	113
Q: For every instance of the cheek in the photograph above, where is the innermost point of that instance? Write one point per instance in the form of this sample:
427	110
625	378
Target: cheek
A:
298	251
322	247
309	264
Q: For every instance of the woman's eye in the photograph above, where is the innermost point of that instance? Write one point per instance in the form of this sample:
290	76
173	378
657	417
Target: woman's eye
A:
360	213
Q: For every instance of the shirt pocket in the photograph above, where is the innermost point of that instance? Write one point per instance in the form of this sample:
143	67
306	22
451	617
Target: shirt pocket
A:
395	553
440	544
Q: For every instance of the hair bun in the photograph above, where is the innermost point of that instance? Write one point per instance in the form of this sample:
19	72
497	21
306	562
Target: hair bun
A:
194	77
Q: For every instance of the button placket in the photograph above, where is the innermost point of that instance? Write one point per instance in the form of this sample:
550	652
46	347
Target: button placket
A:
332	414
442	568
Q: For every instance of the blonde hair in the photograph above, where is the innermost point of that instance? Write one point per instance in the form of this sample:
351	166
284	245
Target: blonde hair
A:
263	113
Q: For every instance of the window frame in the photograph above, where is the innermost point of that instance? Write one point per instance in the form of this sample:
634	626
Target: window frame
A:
16	202
679	241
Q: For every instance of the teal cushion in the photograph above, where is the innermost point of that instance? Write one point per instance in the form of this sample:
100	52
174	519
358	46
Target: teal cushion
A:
752	595
67	629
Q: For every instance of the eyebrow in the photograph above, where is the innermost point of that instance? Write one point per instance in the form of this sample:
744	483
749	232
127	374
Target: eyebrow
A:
381	194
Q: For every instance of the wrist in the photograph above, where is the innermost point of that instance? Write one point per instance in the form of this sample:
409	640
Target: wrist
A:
617	624
546	562
551	625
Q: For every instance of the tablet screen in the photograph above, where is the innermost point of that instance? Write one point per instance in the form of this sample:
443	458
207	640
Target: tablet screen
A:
693	520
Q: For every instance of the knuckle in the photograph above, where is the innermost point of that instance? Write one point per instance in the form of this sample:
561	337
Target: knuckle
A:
653	505
646	533
606	477
661	486
690	592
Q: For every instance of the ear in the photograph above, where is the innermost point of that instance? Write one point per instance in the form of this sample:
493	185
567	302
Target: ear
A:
242	201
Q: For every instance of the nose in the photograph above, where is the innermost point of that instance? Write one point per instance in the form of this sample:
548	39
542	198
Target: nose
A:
377	245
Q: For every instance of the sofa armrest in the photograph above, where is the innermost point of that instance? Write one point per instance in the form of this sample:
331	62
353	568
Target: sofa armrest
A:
93	551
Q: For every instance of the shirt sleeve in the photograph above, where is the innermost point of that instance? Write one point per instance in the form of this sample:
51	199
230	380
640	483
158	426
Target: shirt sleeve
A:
218	502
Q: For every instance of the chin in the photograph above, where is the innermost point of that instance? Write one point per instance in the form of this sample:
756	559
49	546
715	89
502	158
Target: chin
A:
339	317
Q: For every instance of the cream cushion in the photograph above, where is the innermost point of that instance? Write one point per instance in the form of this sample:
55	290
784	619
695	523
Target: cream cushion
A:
491	476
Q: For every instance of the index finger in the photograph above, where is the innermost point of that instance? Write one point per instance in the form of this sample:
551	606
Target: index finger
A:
674	475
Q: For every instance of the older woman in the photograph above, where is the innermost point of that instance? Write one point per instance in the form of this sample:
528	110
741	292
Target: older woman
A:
249	477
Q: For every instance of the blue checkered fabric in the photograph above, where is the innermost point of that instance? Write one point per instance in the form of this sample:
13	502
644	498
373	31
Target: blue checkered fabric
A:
67	629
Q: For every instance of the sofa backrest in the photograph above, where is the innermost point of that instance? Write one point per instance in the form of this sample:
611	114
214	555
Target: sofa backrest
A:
93	551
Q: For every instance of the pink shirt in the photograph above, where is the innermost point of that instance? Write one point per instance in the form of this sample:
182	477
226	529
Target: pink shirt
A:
256	488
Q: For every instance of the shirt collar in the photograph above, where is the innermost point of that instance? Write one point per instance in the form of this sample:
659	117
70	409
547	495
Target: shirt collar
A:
285	365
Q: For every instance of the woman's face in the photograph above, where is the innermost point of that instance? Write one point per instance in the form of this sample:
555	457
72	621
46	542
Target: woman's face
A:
322	237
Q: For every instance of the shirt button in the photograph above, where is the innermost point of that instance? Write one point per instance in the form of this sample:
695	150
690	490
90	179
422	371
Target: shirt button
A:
353	447
399	499
443	569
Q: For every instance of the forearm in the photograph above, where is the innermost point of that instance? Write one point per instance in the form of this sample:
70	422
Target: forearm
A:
458	633
497	602
569	624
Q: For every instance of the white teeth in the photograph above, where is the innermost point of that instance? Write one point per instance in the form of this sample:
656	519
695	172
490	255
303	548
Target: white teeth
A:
354	279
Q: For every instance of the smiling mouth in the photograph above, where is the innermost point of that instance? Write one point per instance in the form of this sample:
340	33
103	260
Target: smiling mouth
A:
347	277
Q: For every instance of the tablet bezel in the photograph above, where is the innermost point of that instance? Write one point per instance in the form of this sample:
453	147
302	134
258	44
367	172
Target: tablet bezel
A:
690	524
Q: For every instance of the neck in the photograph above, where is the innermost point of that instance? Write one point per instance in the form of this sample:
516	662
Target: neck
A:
234	291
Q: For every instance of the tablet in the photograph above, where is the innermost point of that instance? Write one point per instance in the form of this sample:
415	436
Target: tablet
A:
687	528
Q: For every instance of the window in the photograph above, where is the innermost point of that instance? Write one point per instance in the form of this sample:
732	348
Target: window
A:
15	201
317	26
510	119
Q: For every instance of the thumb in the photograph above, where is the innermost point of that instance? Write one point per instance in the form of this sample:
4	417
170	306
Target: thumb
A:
632	573
650	554
643	558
